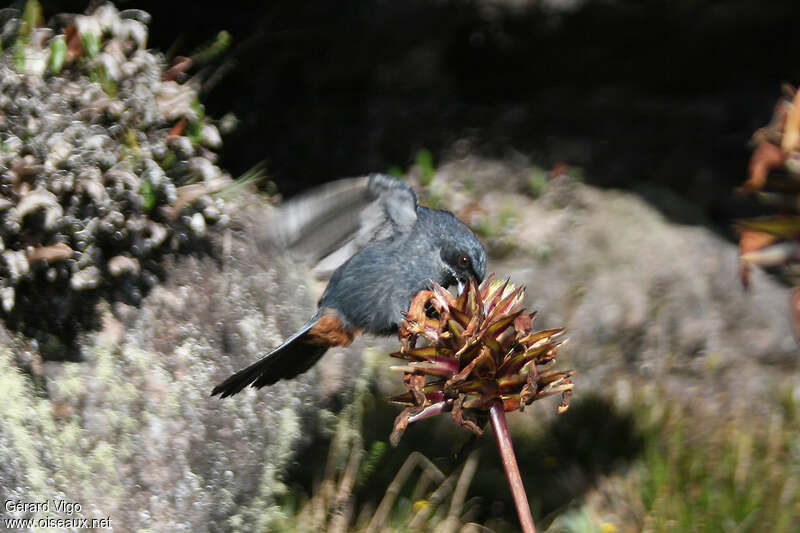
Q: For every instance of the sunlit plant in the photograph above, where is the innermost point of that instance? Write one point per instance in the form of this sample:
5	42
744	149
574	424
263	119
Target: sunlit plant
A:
479	357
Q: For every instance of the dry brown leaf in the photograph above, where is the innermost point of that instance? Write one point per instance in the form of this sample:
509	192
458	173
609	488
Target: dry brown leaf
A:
178	129
791	129
74	44
751	241
51	253
766	157
179	66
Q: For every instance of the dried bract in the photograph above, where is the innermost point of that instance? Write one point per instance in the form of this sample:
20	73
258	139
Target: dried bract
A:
477	347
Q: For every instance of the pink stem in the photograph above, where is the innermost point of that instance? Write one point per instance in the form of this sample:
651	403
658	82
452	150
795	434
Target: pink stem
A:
497	415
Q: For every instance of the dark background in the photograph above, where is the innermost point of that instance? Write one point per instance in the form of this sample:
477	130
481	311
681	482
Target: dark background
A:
652	95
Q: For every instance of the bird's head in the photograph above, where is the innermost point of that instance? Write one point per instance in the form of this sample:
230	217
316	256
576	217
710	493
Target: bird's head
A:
463	255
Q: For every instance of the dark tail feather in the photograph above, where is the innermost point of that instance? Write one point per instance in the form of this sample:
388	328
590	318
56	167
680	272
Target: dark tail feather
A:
291	358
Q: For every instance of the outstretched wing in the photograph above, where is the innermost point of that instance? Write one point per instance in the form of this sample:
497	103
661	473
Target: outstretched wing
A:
330	223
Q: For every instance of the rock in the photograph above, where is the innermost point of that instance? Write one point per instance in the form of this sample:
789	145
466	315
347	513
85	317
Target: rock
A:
198	224
120	264
641	298
83	144
16	264
88	278
40	200
130	430
7	298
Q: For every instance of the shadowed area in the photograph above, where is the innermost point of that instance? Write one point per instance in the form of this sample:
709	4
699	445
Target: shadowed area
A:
645	94
559	463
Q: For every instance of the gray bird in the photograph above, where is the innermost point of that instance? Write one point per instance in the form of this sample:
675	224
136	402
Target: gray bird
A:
383	248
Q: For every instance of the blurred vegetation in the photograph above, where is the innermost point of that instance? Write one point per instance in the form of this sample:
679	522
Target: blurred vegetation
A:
702	473
656	465
773	241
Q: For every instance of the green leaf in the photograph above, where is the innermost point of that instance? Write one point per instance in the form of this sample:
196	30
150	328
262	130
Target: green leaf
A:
30	18
148	196
213	50
91	45
19	55
58	53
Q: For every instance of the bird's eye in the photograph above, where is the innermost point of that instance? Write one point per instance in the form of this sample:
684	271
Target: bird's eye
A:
463	260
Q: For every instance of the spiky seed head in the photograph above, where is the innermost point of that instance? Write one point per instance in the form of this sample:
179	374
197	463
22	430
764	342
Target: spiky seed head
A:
475	348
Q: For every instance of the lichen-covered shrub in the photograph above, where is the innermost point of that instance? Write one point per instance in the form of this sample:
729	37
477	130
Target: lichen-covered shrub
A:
106	164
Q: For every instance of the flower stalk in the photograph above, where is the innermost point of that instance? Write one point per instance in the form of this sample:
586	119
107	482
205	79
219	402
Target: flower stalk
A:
502	436
479	357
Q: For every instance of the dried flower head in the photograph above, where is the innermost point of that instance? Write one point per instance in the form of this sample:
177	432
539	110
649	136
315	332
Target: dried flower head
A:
480	347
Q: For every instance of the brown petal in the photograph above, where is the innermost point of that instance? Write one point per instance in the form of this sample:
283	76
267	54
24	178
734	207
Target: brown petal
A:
457	330
458	416
512	402
524	323
444	297
528	393
552	376
495	294
416	311
485	365
512	364
486	285
564	405
508	304
442	368
433	394
501	324
462	318
532	338
511	383
400	425
415	385
460	377
426	352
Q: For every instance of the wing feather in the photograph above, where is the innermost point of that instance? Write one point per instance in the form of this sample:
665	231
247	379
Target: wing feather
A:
330	223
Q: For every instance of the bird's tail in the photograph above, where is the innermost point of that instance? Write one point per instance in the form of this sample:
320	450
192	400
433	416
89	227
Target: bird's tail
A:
291	358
